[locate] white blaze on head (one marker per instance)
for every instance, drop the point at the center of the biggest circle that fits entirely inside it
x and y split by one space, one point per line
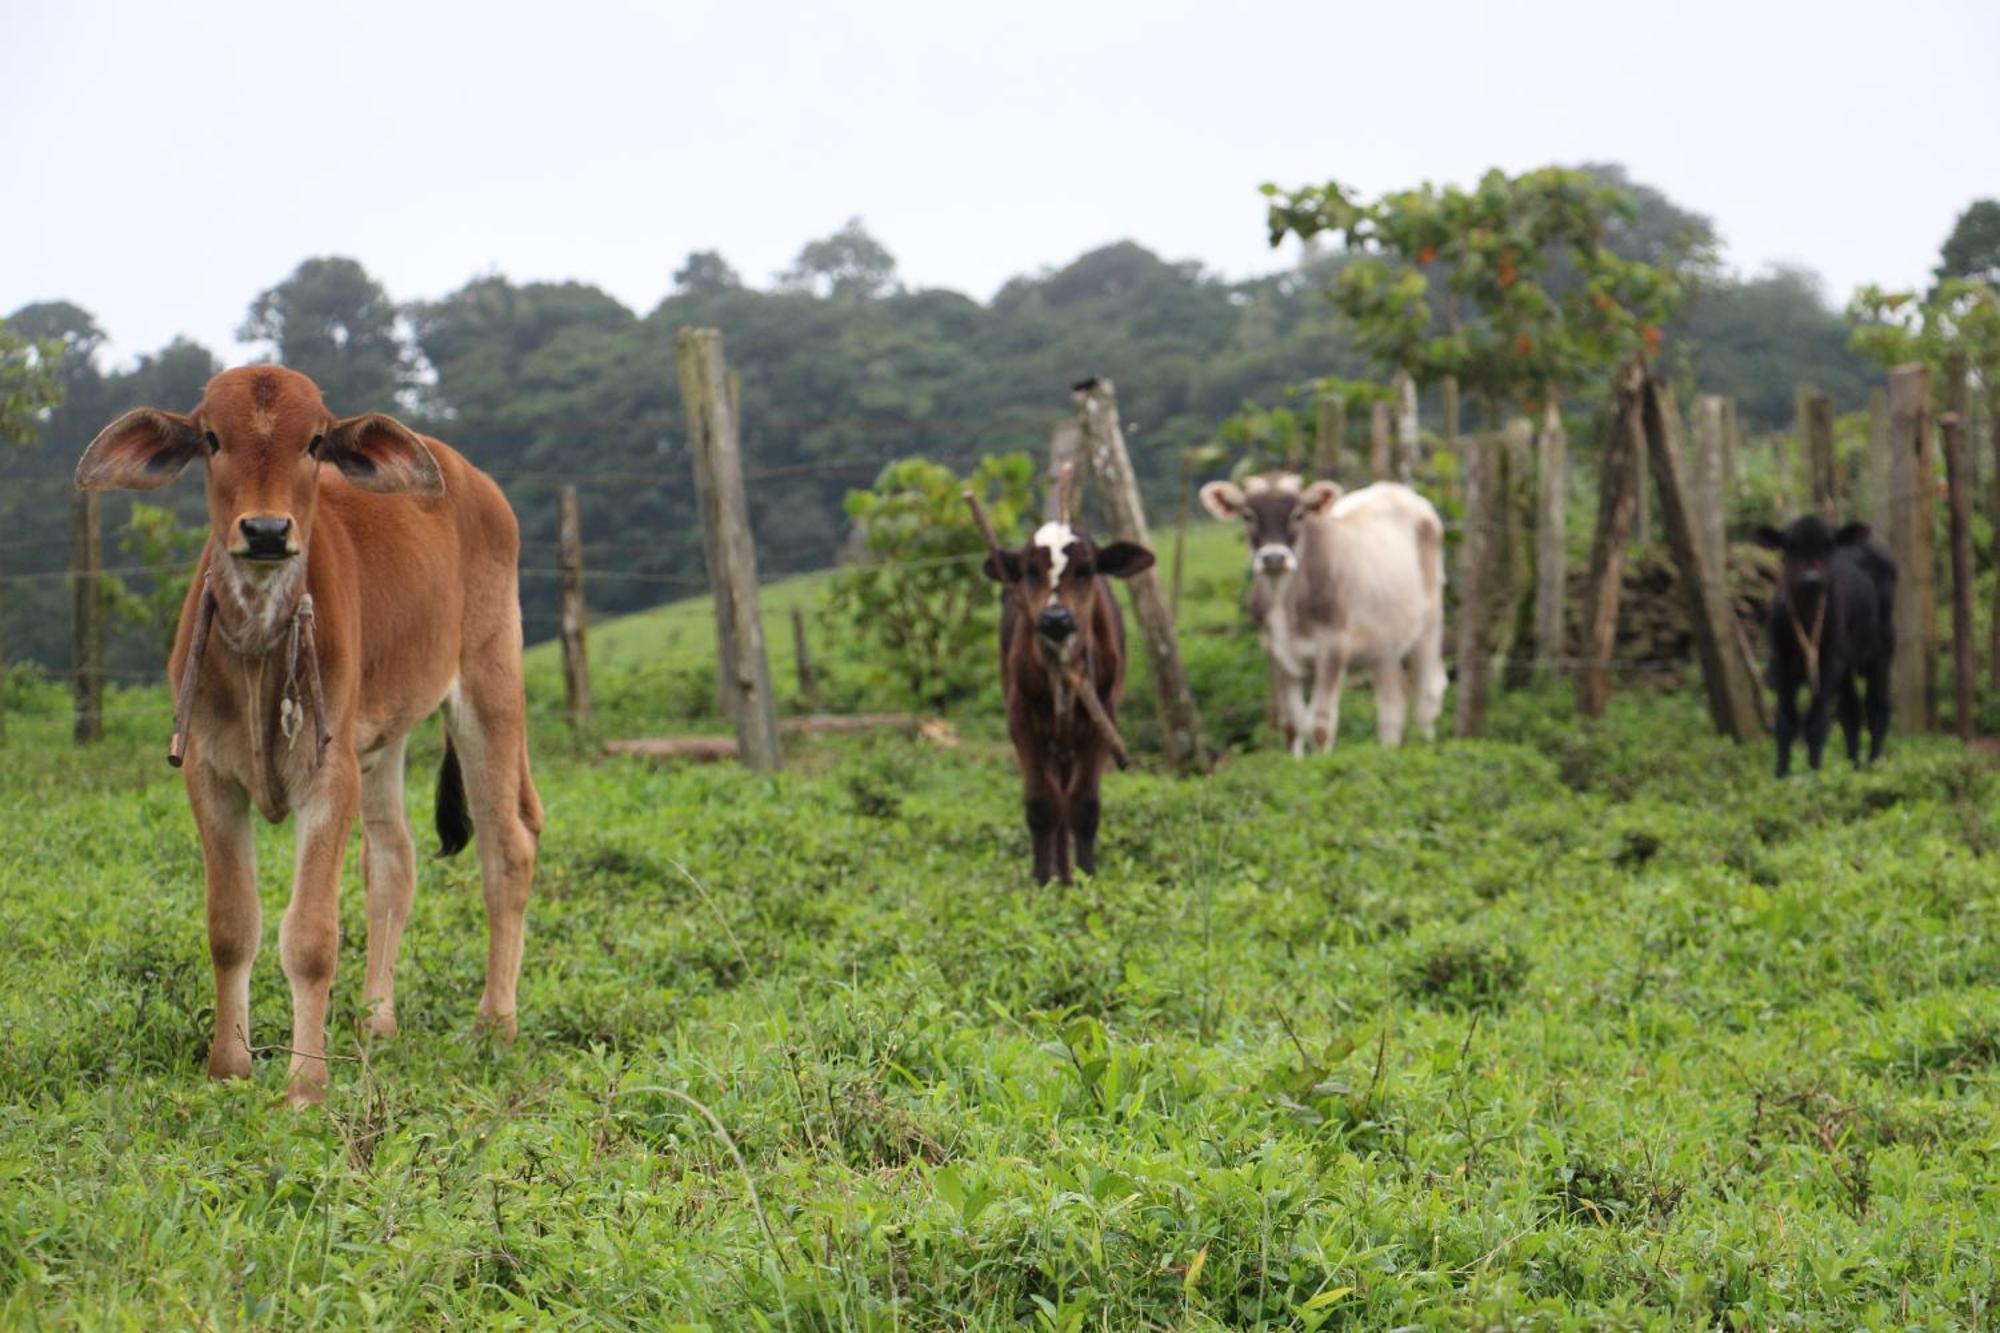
1057 537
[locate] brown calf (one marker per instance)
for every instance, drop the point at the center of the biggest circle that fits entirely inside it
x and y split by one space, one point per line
384 563
1076 622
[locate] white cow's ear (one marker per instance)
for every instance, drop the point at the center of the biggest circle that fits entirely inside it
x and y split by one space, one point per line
1222 499
1319 497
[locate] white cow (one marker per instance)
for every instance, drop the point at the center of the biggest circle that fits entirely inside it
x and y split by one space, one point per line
1342 581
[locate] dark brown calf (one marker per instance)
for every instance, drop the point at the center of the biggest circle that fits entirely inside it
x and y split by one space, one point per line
1064 618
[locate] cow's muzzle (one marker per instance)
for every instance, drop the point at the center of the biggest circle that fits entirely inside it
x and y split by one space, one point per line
1055 623
1274 560
265 538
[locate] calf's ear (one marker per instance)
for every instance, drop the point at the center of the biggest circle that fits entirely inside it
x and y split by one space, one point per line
1768 537
1003 567
1319 497
1853 534
1121 560
141 451
1222 499
376 452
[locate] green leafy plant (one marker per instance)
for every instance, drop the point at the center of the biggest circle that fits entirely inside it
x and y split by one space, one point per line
920 597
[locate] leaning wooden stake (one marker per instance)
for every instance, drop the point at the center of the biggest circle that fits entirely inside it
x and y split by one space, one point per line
575 618
1959 485
1732 700
1707 474
1911 527
1081 686
1551 538
1118 493
1616 500
713 440
1477 467
86 571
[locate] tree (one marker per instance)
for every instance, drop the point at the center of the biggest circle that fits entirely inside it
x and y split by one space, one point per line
706 273
1972 251
332 321
30 384
850 264
1456 282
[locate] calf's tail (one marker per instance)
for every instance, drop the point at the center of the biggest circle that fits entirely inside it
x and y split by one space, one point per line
454 820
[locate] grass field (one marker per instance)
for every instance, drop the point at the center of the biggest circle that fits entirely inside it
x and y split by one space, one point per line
1570 1027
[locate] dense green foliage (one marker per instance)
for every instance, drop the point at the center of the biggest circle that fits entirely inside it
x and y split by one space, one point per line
844 367
1584 1028
919 598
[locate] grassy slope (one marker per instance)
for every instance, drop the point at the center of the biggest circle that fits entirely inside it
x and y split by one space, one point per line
1602 1028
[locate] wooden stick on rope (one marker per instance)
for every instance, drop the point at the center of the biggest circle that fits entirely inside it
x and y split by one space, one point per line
1085 689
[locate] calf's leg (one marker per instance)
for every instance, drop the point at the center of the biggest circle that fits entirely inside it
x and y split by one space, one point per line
1878 710
1786 720
389 873
1328 676
487 719
1391 704
1085 809
1819 721
235 916
309 936
1427 677
1850 718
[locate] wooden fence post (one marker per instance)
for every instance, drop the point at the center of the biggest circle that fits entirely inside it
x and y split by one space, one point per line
1732 699
1329 437
574 617
714 442
1512 480
1478 465
1959 485
1118 495
1911 526
1815 410
1380 468
1065 444
1617 501
86 573
1706 465
802 664
1409 441
1551 539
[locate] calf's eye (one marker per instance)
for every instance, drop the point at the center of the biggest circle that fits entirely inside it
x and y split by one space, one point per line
312 446
214 445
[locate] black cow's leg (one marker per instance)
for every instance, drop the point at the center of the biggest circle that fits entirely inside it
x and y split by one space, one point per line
1878 710
1819 721
1850 718
1044 825
1787 722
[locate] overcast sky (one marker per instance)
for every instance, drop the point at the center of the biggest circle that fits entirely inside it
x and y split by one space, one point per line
164 162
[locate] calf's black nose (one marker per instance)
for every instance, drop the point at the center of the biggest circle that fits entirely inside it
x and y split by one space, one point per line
1055 622
265 537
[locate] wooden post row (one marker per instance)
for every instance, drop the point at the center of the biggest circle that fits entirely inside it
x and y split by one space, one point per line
574 616
86 569
1911 528
1551 538
1814 410
1408 439
1959 486
1118 495
1380 465
714 442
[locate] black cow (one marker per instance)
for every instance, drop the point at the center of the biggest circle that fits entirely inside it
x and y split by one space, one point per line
1832 626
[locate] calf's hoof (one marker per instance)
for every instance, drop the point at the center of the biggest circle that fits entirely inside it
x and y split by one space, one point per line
302 1092
381 1022
228 1060
496 1027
